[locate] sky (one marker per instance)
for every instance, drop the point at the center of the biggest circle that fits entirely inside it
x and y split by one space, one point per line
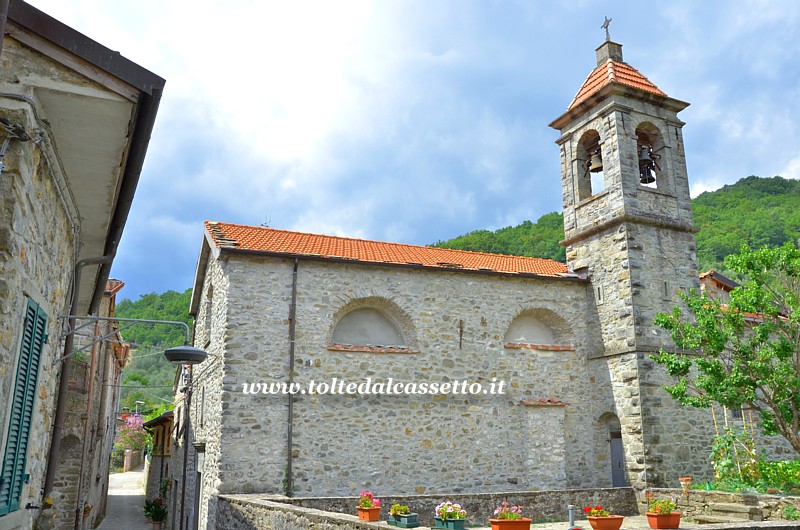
416 121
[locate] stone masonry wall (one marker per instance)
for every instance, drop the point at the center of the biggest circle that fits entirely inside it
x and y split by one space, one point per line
700 502
402 444
479 506
36 248
206 427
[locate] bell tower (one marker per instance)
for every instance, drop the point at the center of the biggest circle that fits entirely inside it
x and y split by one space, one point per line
628 227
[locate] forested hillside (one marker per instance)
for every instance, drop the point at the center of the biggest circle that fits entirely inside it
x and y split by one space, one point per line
148 368
756 211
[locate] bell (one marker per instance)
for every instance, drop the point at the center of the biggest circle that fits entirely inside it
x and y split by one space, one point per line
644 154
646 174
597 163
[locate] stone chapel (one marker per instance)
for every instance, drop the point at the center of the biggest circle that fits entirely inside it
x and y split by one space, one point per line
583 404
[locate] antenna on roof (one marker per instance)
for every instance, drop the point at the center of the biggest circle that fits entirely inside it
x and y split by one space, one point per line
267 220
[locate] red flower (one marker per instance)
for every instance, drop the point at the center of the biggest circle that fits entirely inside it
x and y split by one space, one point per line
587 510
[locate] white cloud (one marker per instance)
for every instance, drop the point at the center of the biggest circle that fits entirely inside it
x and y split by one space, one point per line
417 121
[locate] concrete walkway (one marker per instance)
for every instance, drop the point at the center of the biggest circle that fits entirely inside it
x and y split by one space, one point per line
125 507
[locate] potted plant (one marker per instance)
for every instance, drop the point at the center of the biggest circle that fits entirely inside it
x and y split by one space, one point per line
369 506
508 517
600 519
402 516
662 514
158 513
450 515
87 509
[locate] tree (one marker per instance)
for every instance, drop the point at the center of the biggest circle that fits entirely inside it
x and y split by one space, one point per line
745 352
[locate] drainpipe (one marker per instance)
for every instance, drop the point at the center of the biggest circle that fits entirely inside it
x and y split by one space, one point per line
292 314
3 19
87 437
63 385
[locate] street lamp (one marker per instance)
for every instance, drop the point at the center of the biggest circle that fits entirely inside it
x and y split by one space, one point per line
137 407
185 354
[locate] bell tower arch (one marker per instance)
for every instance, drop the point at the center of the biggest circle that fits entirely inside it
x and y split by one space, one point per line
633 237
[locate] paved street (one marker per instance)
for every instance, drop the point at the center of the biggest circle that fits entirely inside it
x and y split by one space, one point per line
125 509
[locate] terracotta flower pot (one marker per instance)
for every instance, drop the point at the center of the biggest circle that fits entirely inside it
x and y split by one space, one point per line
369 514
664 520
523 523
611 522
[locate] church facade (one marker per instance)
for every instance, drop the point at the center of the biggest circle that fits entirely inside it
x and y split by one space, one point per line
326 351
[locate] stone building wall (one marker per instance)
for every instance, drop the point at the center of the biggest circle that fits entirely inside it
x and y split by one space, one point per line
211 332
89 427
36 248
398 443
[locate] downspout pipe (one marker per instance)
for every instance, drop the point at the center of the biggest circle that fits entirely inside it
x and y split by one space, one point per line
87 432
3 20
290 420
63 385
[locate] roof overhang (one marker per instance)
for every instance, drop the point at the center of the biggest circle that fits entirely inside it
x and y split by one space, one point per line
580 109
100 130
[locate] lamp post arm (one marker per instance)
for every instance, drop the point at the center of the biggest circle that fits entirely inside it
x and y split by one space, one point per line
133 320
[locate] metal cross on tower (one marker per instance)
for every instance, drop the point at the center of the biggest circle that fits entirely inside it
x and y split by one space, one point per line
606 22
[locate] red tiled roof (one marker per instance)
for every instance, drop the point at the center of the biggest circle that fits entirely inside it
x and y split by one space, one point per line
272 241
613 72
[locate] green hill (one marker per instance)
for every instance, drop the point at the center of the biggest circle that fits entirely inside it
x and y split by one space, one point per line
149 376
756 211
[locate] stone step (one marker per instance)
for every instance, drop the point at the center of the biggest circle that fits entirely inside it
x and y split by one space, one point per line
703 518
740 511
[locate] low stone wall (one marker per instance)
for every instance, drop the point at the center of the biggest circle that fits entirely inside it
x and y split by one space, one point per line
275 512
539 505
700 501
254 512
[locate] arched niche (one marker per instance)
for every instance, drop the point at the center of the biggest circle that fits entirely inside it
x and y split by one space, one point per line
541 327
367 326
371 323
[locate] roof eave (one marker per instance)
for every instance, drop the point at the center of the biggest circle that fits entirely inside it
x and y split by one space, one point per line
417 266
200 271
583 106
150 87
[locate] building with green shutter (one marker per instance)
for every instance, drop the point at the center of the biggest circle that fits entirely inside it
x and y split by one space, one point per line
75 121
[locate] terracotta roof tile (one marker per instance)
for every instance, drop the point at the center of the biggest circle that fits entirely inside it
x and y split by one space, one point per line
270 240
613 72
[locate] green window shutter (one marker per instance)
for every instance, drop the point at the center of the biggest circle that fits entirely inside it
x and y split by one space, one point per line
20 416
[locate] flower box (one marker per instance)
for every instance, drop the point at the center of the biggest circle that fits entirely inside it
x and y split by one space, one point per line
452 524
406 520
523 523
369 514
609 522
664 520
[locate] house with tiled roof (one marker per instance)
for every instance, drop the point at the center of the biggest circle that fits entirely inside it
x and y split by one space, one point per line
338 364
